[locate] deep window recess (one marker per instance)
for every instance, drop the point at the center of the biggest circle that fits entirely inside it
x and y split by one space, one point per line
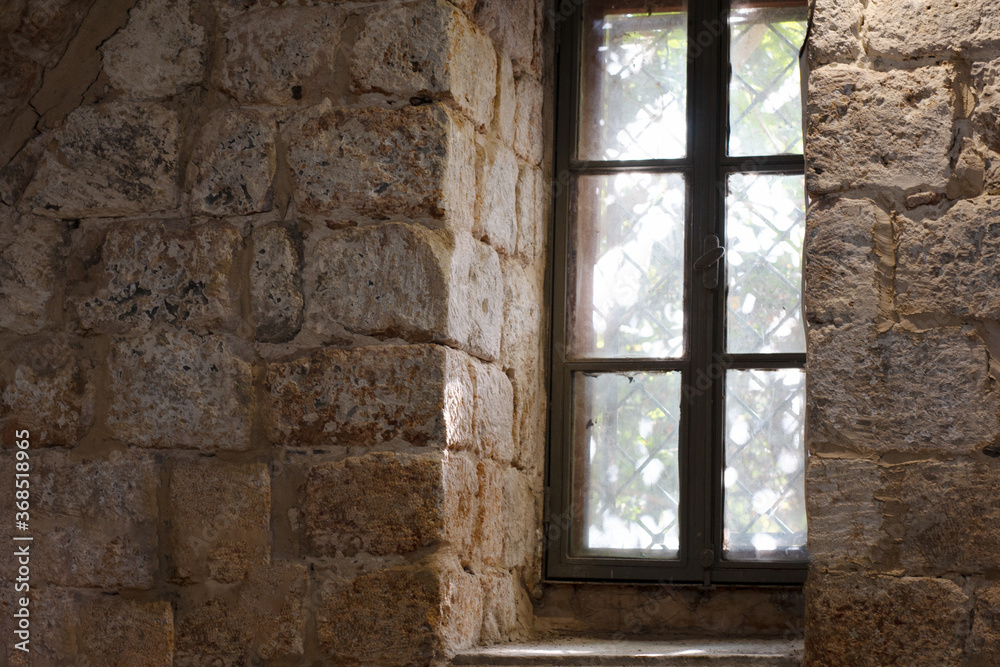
677 449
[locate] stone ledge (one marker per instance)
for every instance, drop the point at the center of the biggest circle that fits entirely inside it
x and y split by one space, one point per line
610 652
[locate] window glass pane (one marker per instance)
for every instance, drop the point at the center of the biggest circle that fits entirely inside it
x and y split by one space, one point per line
634 81
626 437
765 227
627 264
765 514
765 95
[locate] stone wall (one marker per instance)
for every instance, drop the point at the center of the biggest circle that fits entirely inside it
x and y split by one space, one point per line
902 243
271 300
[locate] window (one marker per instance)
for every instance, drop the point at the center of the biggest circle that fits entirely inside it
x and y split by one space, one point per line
677 450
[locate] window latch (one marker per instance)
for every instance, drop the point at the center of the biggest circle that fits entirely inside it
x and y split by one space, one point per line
711 261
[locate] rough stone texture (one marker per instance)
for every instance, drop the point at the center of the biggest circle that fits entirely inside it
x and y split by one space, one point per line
94 520
264 618
857 620
532 226
496 203
460 490
528 136
120 633
111 159
520 519
30 253
172 389
937 383
505 102
417 162
949 265
156 273
160 50
370 395
510 24
276 292
278 56
427 50
221 520
842 261
835 32
930 28
845 524
235 161
46 387
380 503
871 128
376 281
986 115
984 640
493 404
499 607
490 524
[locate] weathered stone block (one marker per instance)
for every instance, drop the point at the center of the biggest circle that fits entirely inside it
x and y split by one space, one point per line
262 619
510 23
416 162
835 31
857 620
158 52
112 159
935 28
279 56
521 520
406 281
872 128
949 265
95 520
842 262
235 161
496 202
173 389
499 606
30 253
493 403
428 49
421 394
155 273
489 535
532 224
937 384
46 387
528 139
845 521
380 503
460 491
986 114
984 642
121 633
220 526
522 318
505 103
275 289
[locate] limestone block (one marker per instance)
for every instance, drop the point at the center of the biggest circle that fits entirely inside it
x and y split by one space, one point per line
220 519
984 641
522 318
510 23
532 225
279 56
528 138
936 383
121 633
496 202
261 619
427 49
489 534
870 128
841 261
857 620
275 289
949 523
835 31
173 389
156 273
845 521
505 102
406 281
949 265
95 520
461 504
417 162
400 616
521 519
113 159
158 52
935 28
493 405
30 253
379 503
235 160
499 606
421 394
986 115
46 387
